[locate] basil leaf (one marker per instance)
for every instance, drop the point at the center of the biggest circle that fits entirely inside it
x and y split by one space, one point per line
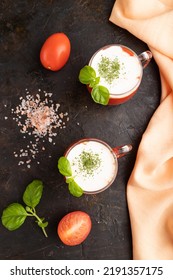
69 179
42 225
94 82
74 189
33 193
64 166
87 75
13 216
100 94
28 209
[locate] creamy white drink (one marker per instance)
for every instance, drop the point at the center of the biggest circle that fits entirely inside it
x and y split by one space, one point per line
119 69
94 165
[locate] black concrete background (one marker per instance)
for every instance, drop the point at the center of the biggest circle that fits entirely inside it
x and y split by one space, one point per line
24 26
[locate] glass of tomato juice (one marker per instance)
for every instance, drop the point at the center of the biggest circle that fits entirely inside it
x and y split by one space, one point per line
94 163
120 70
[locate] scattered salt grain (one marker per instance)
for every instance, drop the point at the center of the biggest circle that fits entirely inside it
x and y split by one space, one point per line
39 119
20 162
61 115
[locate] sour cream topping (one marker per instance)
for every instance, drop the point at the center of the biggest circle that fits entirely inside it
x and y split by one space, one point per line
130 69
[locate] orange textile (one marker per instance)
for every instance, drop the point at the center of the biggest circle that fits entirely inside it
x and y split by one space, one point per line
150 186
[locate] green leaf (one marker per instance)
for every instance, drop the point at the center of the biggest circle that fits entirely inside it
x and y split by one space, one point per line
100 94
64 166
28 209
87 75
42 225
74 189
69 179
94 82
13 216
33 193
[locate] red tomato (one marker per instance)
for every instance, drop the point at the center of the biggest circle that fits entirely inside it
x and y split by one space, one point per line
55 51
74 228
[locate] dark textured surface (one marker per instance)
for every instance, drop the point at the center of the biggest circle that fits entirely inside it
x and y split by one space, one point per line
24 27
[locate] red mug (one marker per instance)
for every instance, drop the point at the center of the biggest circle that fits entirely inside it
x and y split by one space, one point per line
94 163
120 70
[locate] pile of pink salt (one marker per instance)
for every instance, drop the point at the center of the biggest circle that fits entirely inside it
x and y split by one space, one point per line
38 118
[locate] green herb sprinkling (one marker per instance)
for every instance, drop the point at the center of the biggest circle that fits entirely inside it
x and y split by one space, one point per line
109 69
89 162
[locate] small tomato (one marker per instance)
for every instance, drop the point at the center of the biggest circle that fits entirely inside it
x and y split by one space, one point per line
74 228
55 51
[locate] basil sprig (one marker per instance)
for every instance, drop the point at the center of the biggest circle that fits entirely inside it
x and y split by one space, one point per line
15 214
87 76
65 169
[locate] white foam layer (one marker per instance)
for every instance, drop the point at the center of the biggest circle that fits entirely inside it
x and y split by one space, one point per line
101 176
130 69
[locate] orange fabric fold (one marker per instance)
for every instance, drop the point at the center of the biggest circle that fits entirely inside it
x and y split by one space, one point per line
150 186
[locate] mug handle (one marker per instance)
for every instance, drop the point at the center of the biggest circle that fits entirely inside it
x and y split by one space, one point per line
121 151
145 58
